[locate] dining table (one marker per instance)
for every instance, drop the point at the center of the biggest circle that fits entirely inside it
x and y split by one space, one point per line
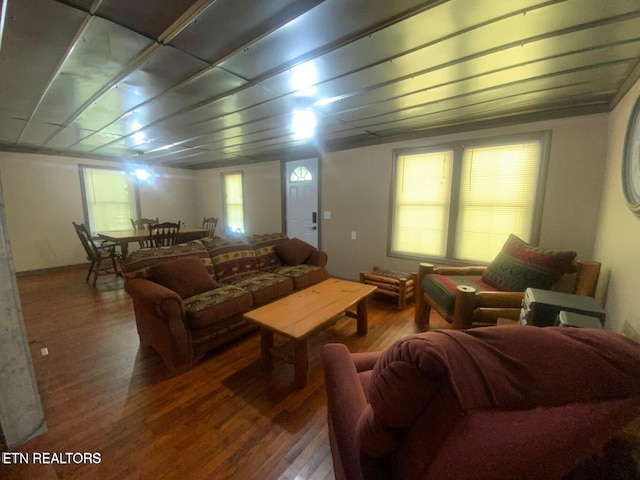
125 237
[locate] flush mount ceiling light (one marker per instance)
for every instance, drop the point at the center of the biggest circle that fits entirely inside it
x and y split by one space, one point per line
304 79
303 123
141 173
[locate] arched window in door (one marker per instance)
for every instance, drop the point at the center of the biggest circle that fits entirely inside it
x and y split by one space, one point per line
300 174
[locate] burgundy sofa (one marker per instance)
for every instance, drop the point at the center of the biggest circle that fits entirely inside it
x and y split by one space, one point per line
489 403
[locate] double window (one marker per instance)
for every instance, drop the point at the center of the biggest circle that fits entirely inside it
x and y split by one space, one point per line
110 198
460 202
233 202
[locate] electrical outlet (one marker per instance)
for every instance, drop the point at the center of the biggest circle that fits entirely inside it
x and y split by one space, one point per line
44 351
353 235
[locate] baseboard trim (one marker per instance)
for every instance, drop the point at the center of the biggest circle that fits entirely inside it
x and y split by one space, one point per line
40 271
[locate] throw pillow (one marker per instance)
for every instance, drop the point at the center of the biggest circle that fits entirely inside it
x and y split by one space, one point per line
186 276
294 251
519 266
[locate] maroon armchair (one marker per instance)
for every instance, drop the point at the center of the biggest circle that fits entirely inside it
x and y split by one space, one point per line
495 402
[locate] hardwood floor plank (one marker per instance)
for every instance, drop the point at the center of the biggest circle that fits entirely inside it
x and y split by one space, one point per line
227 418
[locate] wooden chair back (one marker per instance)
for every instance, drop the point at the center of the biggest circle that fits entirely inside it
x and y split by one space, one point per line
210 224
164 234
144 224
86 241
96 254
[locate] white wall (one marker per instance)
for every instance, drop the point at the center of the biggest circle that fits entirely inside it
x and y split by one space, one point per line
42 198
262 195
618 240
170 198
356 184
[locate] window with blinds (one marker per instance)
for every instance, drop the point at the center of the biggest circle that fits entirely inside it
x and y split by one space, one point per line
233 201
421 207
110 198
462 202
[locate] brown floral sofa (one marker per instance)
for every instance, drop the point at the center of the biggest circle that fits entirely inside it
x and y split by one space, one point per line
190 298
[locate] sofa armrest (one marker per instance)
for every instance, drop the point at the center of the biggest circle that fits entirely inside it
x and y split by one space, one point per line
499 299
474 270
160 318
345 403
318 258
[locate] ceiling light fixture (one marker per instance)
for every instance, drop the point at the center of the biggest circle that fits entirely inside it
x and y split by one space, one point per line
303 123
304 78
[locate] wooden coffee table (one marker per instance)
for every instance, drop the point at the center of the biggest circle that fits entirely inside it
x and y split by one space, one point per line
305 312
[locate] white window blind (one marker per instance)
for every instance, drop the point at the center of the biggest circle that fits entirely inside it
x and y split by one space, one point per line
461 201
233 202
497 197
110 199
422 192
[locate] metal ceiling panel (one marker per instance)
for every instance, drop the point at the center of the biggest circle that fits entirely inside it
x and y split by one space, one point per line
68 137
320 29
146 17
199 83
228 26
165 69
229 111
100 54
32 49
434 61
542 89
442 87
10 127
188 95
386 46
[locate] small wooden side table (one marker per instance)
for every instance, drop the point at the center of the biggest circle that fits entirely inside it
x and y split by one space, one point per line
392 283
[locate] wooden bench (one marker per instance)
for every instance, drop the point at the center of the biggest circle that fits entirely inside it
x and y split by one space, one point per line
391 283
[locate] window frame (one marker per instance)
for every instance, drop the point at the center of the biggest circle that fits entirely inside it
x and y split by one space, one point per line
83 190
458 147
225 216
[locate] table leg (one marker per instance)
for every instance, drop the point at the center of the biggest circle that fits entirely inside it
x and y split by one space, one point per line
266 344
301 362
124 248
363 316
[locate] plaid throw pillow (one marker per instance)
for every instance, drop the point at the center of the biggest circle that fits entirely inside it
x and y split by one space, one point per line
519 266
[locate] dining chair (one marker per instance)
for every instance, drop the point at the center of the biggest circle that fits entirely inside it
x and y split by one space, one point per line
210 224
164 234
97 254
144 224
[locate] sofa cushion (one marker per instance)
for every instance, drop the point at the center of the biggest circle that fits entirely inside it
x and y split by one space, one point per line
442 288
231 258
213 306
264 286
186 276
294 251
138 263
264 245
519 266
302 275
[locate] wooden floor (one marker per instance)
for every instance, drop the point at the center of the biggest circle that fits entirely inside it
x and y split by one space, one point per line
224 419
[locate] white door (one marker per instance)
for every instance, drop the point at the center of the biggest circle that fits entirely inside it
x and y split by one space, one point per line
302 200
